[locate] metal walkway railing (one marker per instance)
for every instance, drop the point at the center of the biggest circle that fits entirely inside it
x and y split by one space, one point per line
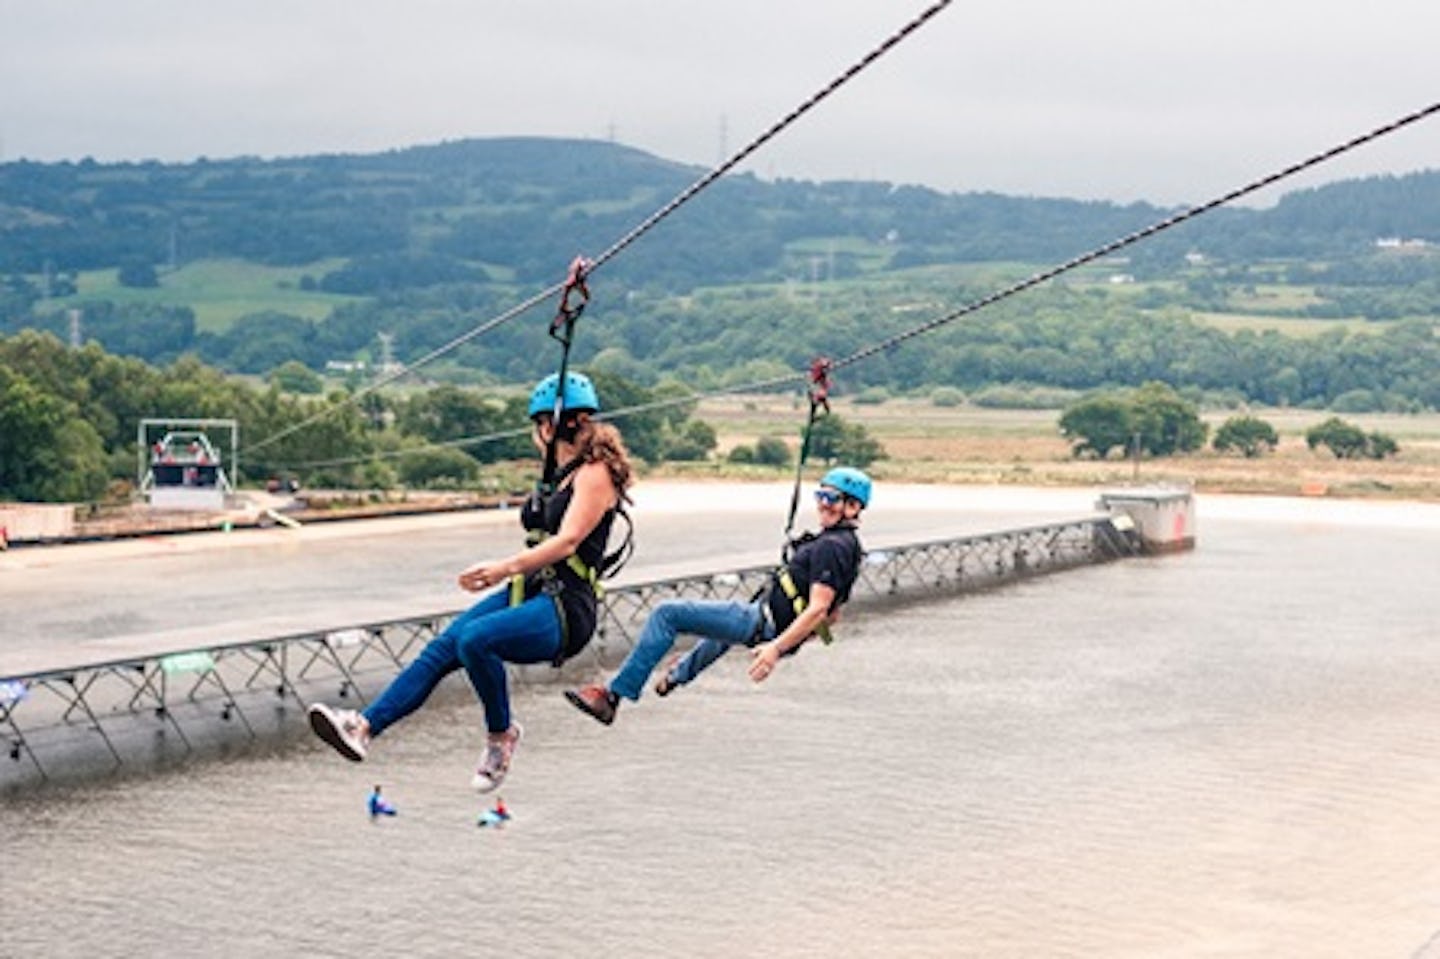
117 709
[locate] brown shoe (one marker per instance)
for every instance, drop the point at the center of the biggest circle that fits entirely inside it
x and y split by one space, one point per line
596 701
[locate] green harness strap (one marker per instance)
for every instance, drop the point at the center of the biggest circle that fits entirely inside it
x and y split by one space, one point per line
547 573
576 564
798 603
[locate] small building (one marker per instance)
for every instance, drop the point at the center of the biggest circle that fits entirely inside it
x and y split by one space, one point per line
182 468
1163 516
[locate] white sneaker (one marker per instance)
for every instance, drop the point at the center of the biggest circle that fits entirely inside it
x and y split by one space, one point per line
342 729
497 759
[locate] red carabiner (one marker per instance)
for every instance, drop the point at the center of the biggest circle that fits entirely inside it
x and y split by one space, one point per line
820 383
574 280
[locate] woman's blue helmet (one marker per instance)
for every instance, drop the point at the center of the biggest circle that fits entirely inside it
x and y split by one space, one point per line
849 481
580 395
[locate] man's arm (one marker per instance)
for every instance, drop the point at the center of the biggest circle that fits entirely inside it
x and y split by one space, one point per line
766 655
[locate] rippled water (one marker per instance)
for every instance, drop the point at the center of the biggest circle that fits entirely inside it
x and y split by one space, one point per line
1232 752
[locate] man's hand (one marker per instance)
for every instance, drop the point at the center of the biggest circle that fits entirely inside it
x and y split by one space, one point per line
762 661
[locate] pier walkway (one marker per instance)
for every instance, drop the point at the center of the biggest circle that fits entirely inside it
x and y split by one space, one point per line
170 692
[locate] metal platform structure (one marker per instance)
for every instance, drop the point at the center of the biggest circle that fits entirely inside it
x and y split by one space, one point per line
182 470
120 711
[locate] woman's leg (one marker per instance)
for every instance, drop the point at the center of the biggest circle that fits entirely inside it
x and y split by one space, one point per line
528 633
727 622
409 690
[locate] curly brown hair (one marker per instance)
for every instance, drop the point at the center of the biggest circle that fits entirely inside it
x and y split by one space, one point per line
597 442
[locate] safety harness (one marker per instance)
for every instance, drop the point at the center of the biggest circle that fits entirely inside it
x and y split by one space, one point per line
780 578
609 565
562 329
551 583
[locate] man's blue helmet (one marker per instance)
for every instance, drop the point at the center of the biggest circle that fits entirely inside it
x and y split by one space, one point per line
580 395
849 481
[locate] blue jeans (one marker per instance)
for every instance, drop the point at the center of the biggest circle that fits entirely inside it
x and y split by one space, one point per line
720 624
482 639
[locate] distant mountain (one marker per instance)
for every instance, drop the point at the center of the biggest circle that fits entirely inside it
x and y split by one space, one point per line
516 209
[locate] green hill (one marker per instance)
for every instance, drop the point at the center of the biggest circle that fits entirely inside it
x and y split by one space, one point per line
251 262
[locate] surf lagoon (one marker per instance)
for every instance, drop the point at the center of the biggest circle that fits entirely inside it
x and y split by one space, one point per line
1229 752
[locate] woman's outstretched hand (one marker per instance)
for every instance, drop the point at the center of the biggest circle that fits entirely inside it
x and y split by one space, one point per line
480 576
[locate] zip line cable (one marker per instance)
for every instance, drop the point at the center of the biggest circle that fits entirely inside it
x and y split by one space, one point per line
761 386
637 232
430 357
993 298
775 129
1154 228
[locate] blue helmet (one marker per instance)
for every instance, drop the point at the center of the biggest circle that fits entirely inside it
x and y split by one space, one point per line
580 395
850 481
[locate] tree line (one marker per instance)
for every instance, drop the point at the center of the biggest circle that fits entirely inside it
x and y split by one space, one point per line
1155 420
1058 338
69 420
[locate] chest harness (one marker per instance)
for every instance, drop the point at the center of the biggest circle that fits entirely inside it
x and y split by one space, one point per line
535 514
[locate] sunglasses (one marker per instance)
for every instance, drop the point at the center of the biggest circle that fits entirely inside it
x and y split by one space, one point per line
829 497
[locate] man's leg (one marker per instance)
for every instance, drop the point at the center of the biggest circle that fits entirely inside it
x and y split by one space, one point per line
722 622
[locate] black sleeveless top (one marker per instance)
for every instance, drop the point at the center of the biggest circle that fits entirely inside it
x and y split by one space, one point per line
574 593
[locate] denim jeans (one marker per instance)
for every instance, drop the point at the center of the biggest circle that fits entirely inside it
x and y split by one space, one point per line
482 640
720 624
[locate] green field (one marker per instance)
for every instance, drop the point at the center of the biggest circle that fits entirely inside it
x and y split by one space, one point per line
219 291
1233 322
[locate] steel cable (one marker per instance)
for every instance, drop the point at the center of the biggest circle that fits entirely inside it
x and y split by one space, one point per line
1004 293
638 231
1154 228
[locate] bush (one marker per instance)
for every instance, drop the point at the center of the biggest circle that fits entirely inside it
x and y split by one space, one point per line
1380 445
138 273
439 467
872 396
292 376
378 474
772 451
1018 397
1096 425
1345 440
1356 401
741 454
947 396
1248 434
694 443
1155 414
835 441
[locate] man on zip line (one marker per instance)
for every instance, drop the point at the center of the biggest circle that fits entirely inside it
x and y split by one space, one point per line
801 600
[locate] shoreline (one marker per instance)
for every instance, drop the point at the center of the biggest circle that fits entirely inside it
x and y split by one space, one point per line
668 494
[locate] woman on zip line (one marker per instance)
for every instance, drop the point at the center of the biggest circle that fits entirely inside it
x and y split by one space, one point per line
802 599
547 613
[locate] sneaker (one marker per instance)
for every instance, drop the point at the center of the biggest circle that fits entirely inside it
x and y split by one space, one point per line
596 701
343 729
498 753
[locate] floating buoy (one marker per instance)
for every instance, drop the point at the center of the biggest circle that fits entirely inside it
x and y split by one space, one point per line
496 817
379 806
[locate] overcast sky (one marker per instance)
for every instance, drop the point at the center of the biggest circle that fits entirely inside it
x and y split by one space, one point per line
1115 99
